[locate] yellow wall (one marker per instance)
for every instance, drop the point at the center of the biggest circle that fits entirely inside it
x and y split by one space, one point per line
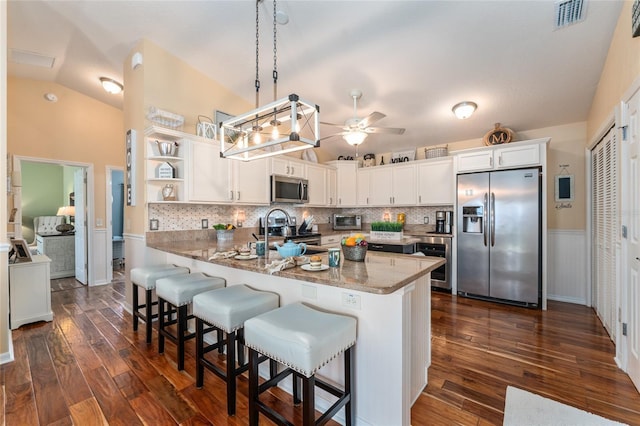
77 128
621 68
168 83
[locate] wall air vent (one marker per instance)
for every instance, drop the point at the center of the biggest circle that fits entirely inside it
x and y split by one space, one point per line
569 12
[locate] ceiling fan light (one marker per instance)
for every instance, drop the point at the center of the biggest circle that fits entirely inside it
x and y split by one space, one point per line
111 86
355 138
463 110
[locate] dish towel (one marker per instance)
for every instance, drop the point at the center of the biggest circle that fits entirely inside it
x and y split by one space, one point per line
224 255
280 265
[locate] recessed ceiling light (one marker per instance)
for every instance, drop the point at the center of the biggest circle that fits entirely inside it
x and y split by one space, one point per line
51 97
464 109
111 86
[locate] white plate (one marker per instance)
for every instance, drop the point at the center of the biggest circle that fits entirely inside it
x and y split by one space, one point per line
308 267
309 155
249 257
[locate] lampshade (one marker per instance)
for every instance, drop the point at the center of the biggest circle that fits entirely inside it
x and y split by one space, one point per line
111 86
250 136
464 109
66 211
355 138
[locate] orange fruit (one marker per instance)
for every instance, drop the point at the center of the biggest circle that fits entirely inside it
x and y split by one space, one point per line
351 241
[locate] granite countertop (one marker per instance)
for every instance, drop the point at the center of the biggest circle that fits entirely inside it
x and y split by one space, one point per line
380 273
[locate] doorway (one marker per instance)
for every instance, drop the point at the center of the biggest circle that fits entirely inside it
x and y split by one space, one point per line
53 188
115 219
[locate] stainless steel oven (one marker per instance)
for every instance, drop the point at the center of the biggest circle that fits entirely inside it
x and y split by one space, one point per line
439 246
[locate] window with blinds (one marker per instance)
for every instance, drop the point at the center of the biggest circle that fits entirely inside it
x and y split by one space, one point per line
604 227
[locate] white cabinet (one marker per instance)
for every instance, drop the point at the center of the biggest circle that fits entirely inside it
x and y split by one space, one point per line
154 180
317 177
518 154
213 179
209 174
330 240
250 183
391 185
346 177
60 249
30 291
286 166
436 182
332 194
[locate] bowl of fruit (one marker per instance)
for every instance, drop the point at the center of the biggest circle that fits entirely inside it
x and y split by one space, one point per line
354 247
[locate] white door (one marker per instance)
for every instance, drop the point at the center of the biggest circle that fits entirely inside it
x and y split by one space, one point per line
633 260
80 179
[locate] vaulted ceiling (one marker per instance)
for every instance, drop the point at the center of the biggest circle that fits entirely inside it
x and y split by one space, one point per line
413 60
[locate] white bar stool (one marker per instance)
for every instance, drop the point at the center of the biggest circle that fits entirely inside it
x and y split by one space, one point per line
146 277
303 339
227 310
175 294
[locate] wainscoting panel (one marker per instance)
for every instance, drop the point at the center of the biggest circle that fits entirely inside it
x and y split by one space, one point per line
567 260
100 262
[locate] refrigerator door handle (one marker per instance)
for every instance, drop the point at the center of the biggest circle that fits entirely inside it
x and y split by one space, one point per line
484 220
493 219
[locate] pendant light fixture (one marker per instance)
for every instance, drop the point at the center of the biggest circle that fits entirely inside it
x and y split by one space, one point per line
285 125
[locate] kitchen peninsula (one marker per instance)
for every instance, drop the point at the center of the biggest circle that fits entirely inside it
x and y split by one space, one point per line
389 294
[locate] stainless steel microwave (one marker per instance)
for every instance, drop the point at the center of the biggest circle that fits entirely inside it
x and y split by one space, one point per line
347 222
285 189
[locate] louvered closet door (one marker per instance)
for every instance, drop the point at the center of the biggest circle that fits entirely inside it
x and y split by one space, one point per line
605 213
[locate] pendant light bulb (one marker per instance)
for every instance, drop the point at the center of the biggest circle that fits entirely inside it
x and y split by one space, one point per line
257 139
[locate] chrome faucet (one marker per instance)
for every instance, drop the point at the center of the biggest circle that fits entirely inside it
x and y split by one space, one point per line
266 227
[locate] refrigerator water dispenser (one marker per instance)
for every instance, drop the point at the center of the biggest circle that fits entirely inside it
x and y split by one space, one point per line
472 217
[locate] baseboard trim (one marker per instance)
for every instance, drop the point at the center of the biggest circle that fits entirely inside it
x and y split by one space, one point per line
566 299
8 356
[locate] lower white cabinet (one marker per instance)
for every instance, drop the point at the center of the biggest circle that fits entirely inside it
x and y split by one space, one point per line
30 291
61 249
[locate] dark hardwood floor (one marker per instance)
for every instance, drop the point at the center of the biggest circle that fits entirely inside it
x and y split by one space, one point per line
88 367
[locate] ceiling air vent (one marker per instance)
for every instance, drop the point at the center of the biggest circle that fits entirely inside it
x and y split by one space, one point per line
30 58
569 12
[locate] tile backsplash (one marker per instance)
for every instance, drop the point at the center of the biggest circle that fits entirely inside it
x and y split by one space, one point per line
181 217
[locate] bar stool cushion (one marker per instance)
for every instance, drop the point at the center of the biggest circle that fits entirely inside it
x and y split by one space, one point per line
146 276
228 308
302 338
180 289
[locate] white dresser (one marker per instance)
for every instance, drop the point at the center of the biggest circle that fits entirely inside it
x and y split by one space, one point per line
61 250
30 291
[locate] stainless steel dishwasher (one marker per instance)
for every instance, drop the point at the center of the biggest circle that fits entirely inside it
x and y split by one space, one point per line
439 246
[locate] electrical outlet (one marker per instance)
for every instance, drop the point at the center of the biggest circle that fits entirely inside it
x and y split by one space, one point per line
351 300
204 223
426 220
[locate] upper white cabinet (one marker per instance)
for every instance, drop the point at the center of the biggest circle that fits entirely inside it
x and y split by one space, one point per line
517 154
436 182
287 166
346 172
332 190
164 172
393 185
209 174
250 183
317 177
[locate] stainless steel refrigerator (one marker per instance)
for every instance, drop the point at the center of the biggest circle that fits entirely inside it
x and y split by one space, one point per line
499 236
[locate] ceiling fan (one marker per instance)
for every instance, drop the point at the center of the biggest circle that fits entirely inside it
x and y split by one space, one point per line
356 130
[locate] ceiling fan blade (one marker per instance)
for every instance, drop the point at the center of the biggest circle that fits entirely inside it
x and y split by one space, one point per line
335 134
332 124
385 130
370 119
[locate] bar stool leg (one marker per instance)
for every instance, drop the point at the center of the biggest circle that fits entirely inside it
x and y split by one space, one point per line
199 353
308 397
149 313
296 388
182 329
220 338
231 376
253 388
161 322
135 306
348 380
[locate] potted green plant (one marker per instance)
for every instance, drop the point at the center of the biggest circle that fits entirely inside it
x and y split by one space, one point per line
386 230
